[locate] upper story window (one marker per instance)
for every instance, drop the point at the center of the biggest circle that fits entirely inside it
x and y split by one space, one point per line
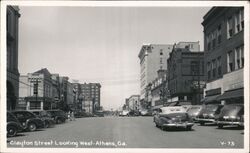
239 21
230 61
229 27
219 34
214 39
161 52
219 66
208 70
239 57
209 42
194 67
214 68
160 60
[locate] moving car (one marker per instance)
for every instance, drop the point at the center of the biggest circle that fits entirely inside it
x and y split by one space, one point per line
58 116
124 113
231 114
194 111
145 112
29 120
13 125
45 116
208 113
173 117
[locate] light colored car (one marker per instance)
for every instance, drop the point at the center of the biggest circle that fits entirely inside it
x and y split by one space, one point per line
124 113
173 117
194 111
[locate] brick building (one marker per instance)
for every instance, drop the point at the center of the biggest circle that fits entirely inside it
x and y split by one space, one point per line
92 92
224 54
185 76
12 57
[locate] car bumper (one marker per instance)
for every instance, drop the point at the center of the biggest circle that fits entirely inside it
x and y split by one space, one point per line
178 124
230 123
205 120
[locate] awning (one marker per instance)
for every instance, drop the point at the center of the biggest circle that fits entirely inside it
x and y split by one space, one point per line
231 94
210 98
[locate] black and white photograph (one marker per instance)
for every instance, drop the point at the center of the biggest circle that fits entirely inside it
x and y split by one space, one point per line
124 75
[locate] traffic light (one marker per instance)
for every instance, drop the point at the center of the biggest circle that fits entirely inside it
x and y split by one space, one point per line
35 88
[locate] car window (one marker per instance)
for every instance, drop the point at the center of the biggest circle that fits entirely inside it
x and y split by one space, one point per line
19 115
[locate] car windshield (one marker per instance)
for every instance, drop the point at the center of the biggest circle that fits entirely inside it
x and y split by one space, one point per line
231 110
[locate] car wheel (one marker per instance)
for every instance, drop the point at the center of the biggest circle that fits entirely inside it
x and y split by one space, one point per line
46 124
32 127
202 123
220 126
189 128
11 131
58 121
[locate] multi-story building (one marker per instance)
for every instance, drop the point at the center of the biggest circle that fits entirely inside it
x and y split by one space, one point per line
55 90
185 76
224 54
159 90
36 90
12 57
193 46
153 57
71 96
63 80
134 102
78 97
92 91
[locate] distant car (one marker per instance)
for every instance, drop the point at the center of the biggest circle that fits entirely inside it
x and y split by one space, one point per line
99 114
173 117
124 113
13 125
133 113
208 113
29 120
58 116
45 116
145 112
231 114
194 111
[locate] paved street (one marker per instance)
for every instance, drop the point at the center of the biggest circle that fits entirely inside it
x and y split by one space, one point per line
128 132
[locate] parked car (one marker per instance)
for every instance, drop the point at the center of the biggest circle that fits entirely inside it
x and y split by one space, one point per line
124 113
231 114
173 117
45 116
186 107
208 113
29 120
99 114
194 111
58 116
133 113
13 125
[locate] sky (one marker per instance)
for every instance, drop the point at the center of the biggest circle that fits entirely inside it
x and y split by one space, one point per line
101 44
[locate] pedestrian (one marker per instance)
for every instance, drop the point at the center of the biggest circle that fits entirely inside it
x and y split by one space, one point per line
69 116
72 116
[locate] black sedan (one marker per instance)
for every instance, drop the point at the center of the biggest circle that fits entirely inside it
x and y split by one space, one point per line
174 119
29 120
46 117
231 114
13 125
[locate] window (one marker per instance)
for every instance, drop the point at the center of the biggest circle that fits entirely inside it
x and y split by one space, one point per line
161 51
214 39
242 18
208 42
230 61
194 67
208 70
219 66
214 67
239 57
219 34
160 60
229 27
242 56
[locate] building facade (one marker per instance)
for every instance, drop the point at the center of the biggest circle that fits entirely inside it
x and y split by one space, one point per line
134 102
55 90
36 91
159 90
152 58
224 54
185 76
92 91
12 57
